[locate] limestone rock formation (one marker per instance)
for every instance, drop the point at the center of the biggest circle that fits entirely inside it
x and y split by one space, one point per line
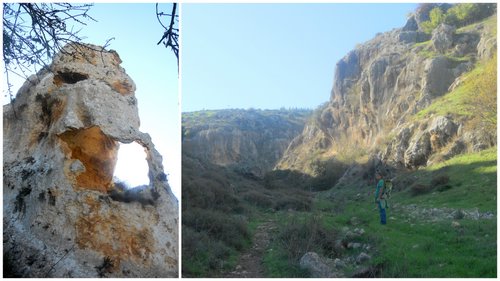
251 141
63 215
442 37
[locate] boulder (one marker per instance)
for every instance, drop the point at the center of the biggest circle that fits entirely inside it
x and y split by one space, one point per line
317 266
63 214
418 150
441 129
438 76
363 257
411 24
442 37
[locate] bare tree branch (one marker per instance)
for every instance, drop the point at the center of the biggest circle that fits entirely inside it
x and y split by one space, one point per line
34 32
171 35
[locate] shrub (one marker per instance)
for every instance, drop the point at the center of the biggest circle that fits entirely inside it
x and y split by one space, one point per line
258 199
418 189
282 179
444 187
296 204
298 237
202 254
328 173
219 226
440 179
484 101
294 199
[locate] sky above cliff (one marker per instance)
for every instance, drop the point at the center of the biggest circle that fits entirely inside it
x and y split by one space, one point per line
153 68
270 56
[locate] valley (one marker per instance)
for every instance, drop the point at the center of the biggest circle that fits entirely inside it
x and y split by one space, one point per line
290 193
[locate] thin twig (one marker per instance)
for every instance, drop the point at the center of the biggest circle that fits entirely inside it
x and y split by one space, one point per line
69 251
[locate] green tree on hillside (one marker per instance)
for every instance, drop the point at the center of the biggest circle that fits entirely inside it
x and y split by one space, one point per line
484 98
436 17
458 15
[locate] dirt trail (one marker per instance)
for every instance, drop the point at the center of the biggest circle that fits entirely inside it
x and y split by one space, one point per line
250 262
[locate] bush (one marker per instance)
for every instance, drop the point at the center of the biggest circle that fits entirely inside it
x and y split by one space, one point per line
444 187
484 101
283 179
219 226
440 179
202 254
208 191
294 199
296 204
258 199
328 173
298 238
419 189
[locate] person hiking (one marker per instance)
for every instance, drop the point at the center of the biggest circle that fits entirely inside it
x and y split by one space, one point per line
380 198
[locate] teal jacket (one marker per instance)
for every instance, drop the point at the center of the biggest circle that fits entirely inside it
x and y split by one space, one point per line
380 185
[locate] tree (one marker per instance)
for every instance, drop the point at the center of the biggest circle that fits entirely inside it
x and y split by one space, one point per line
436 17
171 35
34 32
484 97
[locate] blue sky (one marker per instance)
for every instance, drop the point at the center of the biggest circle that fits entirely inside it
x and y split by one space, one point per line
270 56
154 71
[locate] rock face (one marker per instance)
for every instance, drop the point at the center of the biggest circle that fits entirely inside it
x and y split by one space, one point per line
63 215
379 87
252 141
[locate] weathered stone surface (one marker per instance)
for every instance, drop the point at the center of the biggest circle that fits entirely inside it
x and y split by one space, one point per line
317 266
444 128
438 76
411 24
442 37
363 257
418 151
63 215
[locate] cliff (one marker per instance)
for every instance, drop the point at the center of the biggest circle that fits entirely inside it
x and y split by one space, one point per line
63 214
383 87
251 141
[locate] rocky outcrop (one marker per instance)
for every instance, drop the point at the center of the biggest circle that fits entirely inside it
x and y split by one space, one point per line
63 214
442 37
380 86
317 266
251 141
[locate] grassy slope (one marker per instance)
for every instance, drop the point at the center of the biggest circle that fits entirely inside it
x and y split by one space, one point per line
414 246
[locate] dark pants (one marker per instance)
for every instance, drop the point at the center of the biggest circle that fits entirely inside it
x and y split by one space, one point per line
381 208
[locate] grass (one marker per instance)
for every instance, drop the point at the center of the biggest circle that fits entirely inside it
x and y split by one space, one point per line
415 248
472 177
278 266
436 249
456 102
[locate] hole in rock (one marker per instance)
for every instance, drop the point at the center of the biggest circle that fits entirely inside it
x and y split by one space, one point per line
131 168
69 77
